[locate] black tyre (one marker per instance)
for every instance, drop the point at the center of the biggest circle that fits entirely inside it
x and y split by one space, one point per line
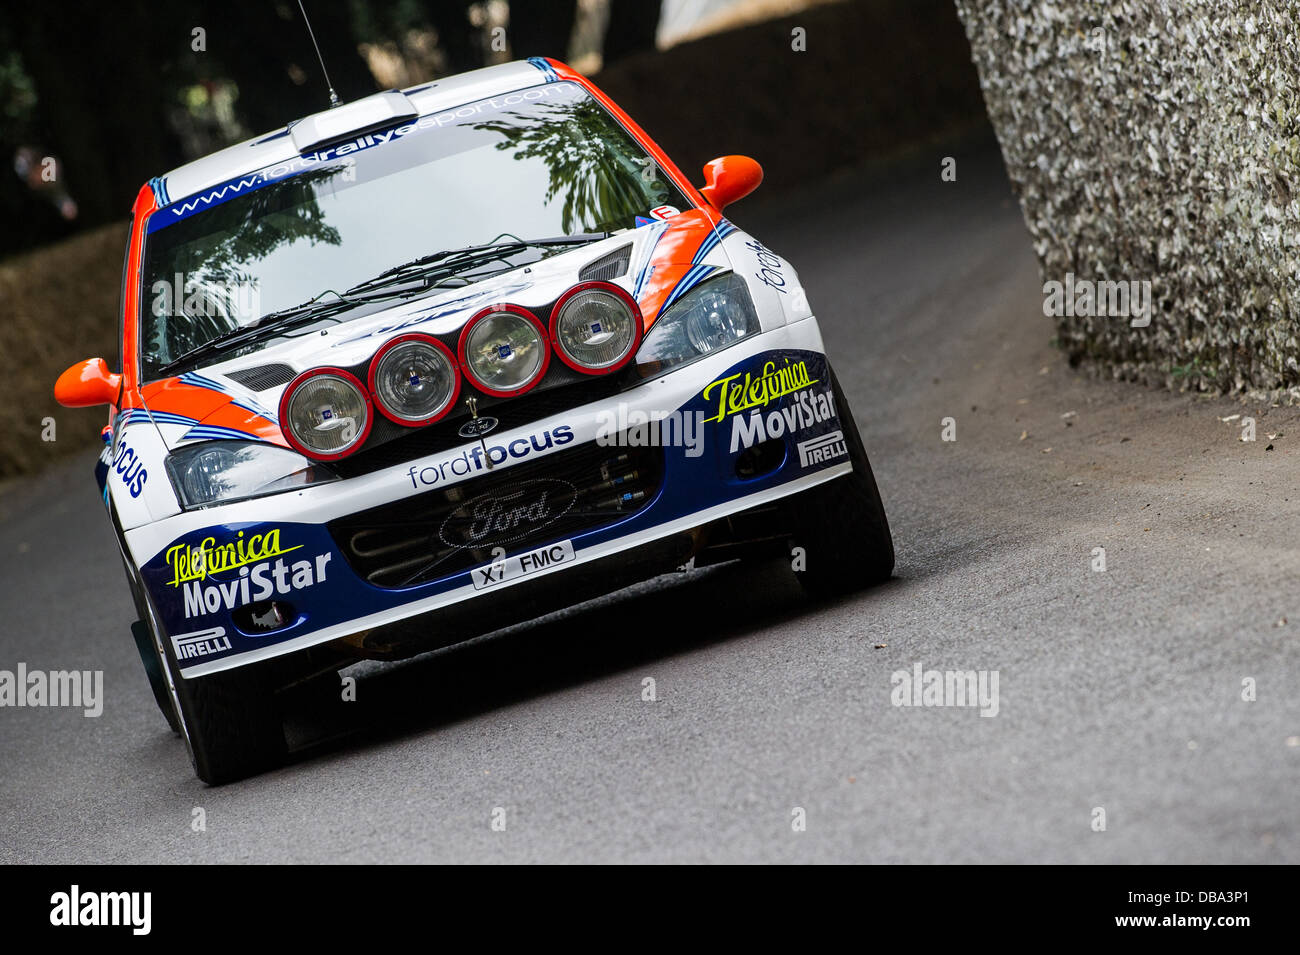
230 721
147 645
153 668
232 725
841 525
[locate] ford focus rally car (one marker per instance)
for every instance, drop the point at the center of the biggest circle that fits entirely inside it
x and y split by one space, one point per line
442 360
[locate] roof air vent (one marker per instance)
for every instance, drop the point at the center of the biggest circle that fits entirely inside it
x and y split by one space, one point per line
353 119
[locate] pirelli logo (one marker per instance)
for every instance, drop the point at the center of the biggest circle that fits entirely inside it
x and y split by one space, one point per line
828 447
201 643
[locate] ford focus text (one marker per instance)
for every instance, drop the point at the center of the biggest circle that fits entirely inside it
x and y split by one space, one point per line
438 361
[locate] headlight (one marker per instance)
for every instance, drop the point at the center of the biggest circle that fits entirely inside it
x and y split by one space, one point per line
414 379
325 413
219 471
712 316
596 327
503 350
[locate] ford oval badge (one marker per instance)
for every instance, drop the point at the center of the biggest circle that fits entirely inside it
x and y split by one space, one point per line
477 427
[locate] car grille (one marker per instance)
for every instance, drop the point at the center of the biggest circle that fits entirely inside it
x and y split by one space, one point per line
443 532
607 267
263 377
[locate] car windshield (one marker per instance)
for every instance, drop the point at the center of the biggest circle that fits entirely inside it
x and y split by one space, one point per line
540 163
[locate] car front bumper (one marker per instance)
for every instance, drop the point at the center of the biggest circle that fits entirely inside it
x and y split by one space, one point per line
247 581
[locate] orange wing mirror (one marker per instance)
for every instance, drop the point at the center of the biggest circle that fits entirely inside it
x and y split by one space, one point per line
730 178
86 384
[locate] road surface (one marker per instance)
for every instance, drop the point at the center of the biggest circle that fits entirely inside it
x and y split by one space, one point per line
1119 691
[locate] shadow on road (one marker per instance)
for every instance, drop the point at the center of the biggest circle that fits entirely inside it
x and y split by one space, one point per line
598 639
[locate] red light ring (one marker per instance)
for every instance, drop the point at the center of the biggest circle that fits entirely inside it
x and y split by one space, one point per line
618 292
455 370
464 341
293 386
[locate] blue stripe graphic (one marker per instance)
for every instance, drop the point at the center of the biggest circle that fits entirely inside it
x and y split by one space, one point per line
644 275
696 275
194 378
546 68
215 433
720 232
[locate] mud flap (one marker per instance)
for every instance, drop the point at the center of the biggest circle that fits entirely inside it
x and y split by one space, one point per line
153 669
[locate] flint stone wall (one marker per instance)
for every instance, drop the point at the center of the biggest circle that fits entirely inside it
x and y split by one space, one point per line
1159 140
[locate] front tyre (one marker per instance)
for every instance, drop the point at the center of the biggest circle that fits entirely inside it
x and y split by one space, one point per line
147 643
841 525
232 725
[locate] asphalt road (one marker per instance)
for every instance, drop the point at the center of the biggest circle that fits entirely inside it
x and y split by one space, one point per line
1120 690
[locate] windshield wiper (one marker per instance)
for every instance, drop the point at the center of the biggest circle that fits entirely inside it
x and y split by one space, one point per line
285 318
451 261
437 264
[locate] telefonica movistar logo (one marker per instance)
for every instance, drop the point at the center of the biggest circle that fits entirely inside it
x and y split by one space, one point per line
196 563
735 395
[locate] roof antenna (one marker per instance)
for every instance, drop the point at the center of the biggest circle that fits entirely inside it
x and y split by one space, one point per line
334 97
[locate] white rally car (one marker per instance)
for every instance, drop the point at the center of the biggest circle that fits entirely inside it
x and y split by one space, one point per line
438 361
